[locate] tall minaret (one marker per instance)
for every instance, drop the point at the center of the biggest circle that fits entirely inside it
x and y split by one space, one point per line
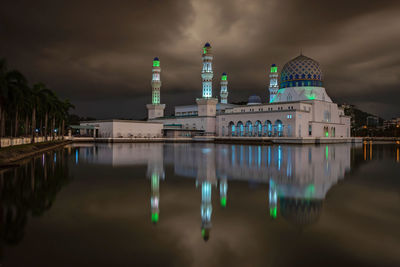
155 109
207 105
224 88
207 72
273 83
156 82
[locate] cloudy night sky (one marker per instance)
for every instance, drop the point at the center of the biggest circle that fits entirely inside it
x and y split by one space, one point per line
99 53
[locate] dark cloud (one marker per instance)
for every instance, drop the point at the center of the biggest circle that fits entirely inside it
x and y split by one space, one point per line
99 54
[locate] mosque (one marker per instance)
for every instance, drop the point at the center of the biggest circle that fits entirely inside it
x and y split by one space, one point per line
298 106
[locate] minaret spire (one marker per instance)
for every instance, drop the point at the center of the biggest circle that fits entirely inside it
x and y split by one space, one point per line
156 82
207 72
155 109
224 88
273 83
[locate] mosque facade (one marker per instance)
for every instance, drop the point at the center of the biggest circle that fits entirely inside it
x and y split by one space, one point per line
298 105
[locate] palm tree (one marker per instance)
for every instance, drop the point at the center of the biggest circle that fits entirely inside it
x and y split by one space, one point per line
19 102
39 96
65 112
3 95
17 84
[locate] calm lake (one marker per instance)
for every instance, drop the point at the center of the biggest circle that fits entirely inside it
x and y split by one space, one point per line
203 205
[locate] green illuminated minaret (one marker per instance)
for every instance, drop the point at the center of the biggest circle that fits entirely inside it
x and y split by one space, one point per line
273 83
156 82
155 109
224 88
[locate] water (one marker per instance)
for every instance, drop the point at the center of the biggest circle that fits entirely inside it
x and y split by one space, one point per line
203 205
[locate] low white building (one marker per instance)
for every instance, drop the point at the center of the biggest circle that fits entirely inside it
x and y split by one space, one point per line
121 129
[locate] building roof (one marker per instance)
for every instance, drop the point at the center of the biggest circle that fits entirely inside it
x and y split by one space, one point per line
114 120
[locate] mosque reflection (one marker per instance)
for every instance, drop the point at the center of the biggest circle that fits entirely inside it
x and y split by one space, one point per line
297 178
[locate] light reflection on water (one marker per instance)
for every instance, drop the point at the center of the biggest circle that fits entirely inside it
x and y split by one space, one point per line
298 176
297 179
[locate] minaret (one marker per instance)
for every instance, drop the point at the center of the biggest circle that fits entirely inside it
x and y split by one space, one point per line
224 88
273 83
155 109
207 72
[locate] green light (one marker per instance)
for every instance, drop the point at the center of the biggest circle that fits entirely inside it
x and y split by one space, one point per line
223 78
154 217
310 190
274 69
223 202
203 232
156 63
273 212
326 134
155 181
309 93
204 50
326 152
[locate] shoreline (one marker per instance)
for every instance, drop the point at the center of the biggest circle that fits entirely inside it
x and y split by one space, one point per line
224 140
9 156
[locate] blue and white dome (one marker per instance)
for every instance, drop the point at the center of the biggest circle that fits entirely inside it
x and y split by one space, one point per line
301 71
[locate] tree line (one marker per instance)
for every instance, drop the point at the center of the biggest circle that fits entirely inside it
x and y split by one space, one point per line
29 110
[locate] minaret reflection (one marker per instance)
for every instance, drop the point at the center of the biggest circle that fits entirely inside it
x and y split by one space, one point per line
206 178
299 176
155 171
223 191
273 199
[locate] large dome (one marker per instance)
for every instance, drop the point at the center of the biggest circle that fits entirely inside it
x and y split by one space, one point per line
301 71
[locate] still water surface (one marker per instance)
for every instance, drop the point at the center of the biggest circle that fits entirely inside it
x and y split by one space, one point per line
203 205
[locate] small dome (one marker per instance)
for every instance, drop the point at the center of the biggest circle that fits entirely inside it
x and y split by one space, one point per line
254 100
156 58
207 45
301 71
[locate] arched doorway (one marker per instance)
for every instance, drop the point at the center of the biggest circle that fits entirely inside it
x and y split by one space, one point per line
268 128
231 129
278 128
239 129
249 128
258 128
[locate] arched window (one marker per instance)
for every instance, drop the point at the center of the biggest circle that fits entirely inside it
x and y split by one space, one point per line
278 128
231 129
258 128
239 129
268 128
249 128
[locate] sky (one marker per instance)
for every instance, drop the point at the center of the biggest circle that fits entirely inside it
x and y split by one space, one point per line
99 53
